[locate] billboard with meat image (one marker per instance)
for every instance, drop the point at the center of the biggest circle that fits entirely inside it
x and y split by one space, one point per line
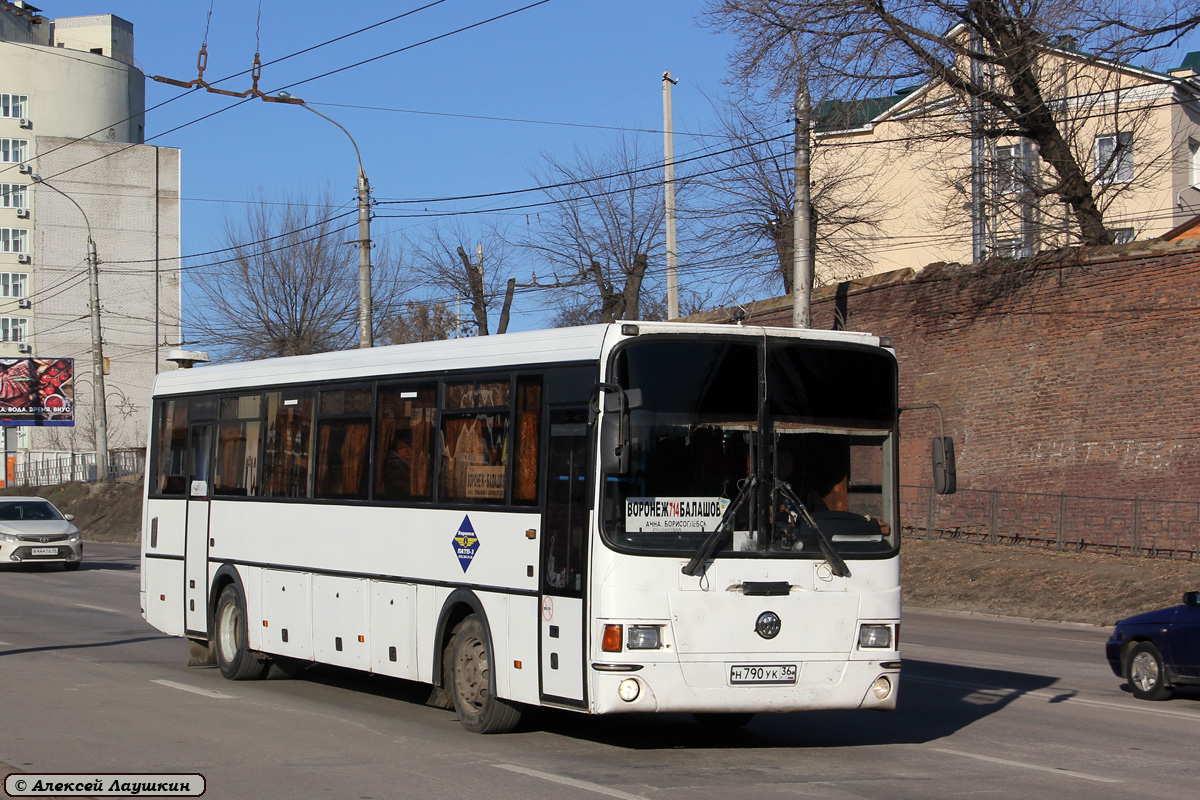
37 391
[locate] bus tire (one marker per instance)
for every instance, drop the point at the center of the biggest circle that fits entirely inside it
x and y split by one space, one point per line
236 661
473 685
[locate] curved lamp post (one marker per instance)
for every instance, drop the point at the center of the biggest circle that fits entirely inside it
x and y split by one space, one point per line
365 333
99 404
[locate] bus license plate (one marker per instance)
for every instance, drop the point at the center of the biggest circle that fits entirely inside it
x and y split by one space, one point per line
44 551
762 674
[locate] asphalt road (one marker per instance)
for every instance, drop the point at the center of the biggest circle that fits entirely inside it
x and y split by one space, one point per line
991 707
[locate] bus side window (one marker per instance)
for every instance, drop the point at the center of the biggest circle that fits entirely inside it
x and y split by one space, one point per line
474 442
288 446
343 443
528 436
404 442
236 470
172 447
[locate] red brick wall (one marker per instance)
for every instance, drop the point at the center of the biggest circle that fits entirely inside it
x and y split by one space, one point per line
1076 373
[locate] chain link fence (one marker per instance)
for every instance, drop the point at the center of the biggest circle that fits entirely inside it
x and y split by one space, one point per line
1130 526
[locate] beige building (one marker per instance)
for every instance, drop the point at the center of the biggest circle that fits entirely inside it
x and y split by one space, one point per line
72 163
935 194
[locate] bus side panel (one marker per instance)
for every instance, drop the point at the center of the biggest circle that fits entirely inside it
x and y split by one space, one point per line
162 564
393 637
340 623
286 614
523 639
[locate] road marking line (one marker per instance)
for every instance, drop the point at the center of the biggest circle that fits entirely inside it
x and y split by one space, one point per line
195 690
1088 642
97 608
1058 695
1023 765
586 785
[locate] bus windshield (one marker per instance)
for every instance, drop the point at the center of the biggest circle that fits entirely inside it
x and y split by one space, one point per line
806 430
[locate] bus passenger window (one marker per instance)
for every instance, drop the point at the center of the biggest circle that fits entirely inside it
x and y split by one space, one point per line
529 413
170 478
288 443
474 456
342 446
236 469
404 442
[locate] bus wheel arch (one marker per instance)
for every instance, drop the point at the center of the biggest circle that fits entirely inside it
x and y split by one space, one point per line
229 630
464 663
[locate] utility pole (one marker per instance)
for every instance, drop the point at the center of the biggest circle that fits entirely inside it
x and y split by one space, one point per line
802 256
366 336
100 411
669 196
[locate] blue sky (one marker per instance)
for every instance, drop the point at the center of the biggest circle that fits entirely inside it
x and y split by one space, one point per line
432 121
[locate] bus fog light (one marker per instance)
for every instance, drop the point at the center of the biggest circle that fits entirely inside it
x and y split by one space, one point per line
882 688
878 636
644 637
629 690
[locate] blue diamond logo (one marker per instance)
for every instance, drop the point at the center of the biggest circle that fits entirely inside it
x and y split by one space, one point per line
466 543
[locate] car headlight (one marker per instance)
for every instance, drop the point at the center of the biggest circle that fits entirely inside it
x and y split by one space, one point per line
875 636
644 637
8 537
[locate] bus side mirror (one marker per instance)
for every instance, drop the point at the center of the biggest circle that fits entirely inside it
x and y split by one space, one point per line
614 431
945 480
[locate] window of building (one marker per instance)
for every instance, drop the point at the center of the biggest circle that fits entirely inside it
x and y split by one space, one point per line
1011 248
1124 235
1193 162
12 329
14 240
1114 158
12 195
14 105
13 284
1013 168
12 151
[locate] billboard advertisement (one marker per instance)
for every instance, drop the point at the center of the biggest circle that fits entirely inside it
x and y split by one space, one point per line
37 391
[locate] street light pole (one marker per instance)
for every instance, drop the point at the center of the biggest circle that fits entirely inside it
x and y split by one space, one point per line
100 410
366 336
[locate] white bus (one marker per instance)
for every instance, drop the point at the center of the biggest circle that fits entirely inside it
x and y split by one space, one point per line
632 517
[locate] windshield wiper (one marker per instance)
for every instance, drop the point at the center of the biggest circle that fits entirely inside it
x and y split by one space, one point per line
710 544
835 561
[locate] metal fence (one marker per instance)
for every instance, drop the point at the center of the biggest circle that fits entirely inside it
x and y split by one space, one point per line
39 468
1132 526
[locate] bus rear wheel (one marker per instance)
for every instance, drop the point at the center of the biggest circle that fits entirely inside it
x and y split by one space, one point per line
236 661
472 685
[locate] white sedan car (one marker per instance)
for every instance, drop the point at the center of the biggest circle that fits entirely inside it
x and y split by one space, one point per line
32 531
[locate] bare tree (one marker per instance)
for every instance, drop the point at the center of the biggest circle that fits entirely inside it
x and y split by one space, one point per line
988 52
419 322
746 211
598 240
479 277
287 282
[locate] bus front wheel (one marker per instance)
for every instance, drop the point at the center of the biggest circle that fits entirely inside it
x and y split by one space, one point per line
472 685
236 660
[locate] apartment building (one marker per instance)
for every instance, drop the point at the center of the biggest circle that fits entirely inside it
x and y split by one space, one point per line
940 195
73 166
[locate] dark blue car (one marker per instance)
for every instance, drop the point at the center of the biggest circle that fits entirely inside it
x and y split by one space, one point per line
1158 650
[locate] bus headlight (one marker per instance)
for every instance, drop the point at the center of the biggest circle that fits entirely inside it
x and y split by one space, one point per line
882 687
644 637
629 690
875 636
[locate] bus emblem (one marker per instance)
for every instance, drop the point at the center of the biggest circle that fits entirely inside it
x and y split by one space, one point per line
767 625
466 543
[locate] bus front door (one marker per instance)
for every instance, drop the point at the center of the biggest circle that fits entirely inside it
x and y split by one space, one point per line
563 616
195 565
